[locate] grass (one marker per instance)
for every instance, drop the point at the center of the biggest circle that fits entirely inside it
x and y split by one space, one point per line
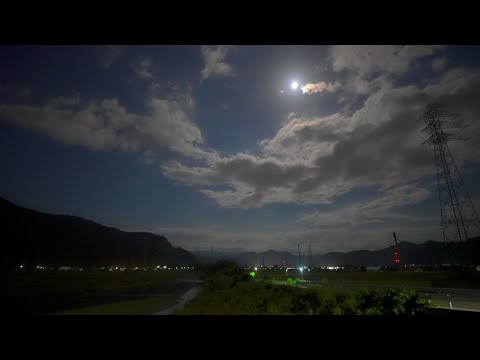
394 278
134 307
47 292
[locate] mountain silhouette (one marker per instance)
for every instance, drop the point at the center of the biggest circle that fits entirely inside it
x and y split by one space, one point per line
427 253
31 238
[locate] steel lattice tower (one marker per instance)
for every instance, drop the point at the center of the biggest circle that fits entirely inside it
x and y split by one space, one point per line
459 218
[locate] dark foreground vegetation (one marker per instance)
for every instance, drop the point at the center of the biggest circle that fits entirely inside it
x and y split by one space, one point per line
45 292
228 290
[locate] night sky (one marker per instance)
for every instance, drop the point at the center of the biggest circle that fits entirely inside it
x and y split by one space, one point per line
237 147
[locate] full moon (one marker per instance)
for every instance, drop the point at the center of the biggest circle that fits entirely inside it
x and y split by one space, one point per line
294 85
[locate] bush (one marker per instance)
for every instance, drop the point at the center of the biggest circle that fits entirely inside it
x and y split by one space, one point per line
391 302
229 291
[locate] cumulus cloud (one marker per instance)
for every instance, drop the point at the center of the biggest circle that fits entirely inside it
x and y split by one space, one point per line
369 59
320 87
214 57
359 86
143 69
106 124
311 160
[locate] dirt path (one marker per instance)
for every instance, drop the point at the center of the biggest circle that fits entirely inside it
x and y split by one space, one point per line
186 297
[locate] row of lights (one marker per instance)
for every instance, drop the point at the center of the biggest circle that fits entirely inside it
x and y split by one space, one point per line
40 267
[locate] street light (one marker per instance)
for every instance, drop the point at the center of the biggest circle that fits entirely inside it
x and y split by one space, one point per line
301 270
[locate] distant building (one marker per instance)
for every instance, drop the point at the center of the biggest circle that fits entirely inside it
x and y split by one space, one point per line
374 268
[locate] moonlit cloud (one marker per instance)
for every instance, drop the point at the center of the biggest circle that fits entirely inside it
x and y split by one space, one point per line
104 124
311 160
215 61
369 59
320 87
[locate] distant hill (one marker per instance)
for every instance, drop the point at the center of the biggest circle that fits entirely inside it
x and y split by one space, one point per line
428 253
30 237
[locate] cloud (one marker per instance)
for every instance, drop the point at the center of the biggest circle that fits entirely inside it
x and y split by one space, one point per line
359 86
108 54
378 211
143 69
345 229
313 159
215 64
439 63
148 157
369 59
202 238
322 240
104 124
320 87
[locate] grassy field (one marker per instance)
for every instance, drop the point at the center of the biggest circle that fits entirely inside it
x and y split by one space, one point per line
395 278
47 292
134 307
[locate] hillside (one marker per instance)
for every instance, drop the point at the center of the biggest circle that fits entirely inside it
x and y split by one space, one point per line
30 237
